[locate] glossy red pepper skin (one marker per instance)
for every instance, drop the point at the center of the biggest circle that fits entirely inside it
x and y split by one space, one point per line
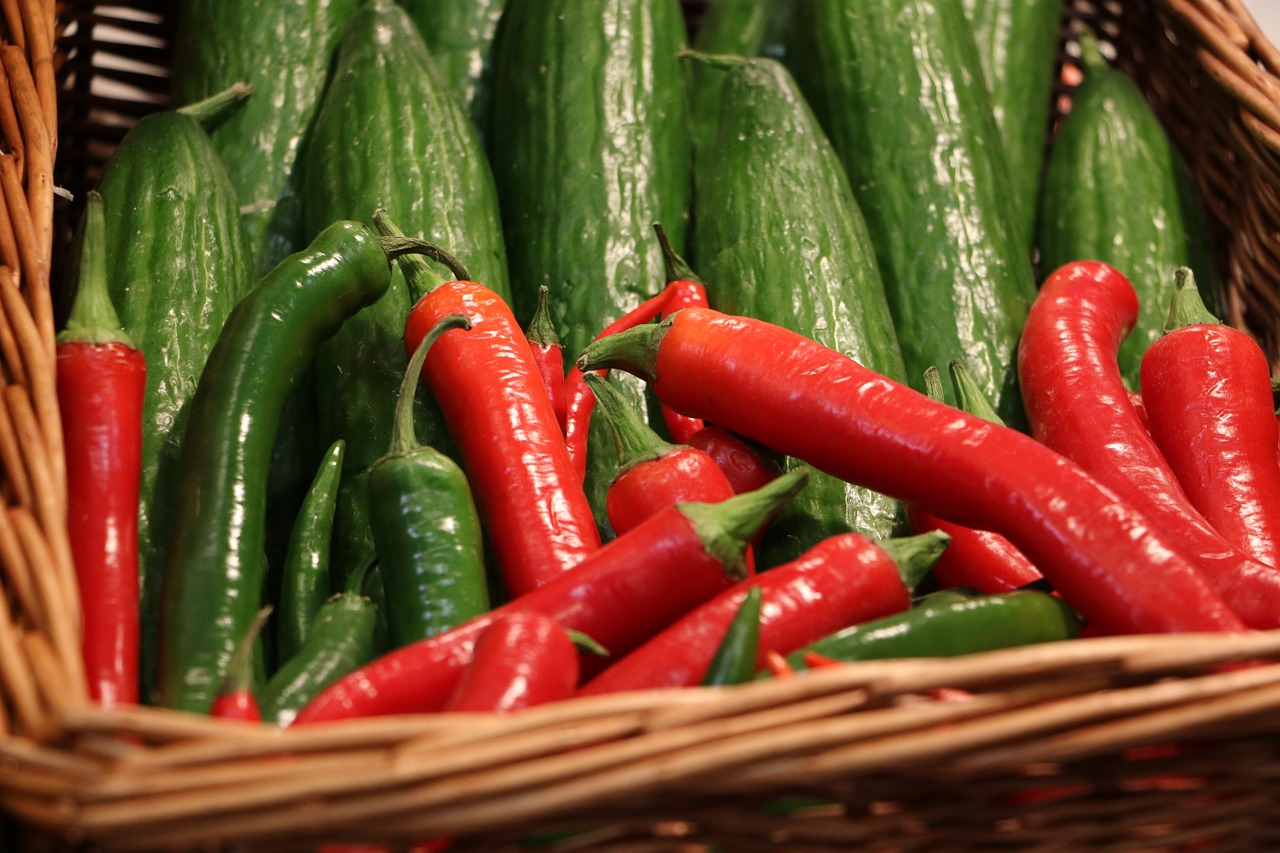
619 596
522 659
976 559
841 581
239 705
1077 405
808 401
683 293
100 395
744 465
646 488
1208 392
491 394
548 354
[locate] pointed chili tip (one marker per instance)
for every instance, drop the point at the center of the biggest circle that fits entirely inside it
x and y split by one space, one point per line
634 350
674 265
915 556
542 331
1186 306
969 396
726 528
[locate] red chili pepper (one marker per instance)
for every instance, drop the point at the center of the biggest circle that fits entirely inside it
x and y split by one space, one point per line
652 474
778 665
101 383
1208 390
841 581
236 699
548 354
524 658
747 467
491 394
982 560
1077 405
687 291
822 407
621 595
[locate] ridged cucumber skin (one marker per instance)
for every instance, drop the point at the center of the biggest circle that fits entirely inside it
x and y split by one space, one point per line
590 145
177 263
1116 191
781 239
898 87
284 49
1017 45
459 36
391 135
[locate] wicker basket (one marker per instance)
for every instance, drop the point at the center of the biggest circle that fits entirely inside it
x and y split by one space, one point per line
1136 743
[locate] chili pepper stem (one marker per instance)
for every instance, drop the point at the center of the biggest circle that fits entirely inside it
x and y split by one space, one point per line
541 330
404 439
676 268
396 245
634 440
726 528
968 395
240 670
634 350
213 110
93 318
916 555
722 61
1186 307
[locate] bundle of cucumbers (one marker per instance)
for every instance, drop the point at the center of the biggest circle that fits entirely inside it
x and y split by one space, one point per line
880 176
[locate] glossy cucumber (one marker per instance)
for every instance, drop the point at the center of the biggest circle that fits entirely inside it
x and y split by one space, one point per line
284 50
898 86
1017 45
781 238
590 146
390 135
177 263
1116 191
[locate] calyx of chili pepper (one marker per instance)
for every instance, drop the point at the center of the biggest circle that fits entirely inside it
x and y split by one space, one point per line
239 677
675 266
915 556
969 396
727 527
217 108
633 440
634 350
404 439
541 330
93 318
406 250
1186 306
734 661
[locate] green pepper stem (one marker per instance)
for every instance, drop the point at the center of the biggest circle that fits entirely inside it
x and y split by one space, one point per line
933 384
675 266
541 330
215 109
1186 306
726 528
240 670
93 318
634 350
723 61
633 440
915 556
969 395
421 278
404 438
356 580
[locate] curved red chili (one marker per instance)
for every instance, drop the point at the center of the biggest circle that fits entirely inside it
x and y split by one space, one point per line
1078 406
818 405
497 411
548 354
841 581
747 467
524 658
1208 392
101 382
624 593
686 291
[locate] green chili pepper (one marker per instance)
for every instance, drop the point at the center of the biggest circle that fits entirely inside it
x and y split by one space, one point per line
339 641
215 567
425 524
949 623
305 575
735 659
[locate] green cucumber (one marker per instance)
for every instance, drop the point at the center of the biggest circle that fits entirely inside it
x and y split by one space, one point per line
781 238
459 35
590 146
898 87
390 135
283 50
1018 47
177 262
1117 191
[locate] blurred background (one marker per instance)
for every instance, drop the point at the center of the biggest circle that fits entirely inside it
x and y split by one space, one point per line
1267 14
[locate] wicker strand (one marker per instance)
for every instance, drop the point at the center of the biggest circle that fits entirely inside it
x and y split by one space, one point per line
11 132
37 25
15 466
19 683
14 28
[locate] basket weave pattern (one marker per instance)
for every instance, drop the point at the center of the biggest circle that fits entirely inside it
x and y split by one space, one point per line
1136 743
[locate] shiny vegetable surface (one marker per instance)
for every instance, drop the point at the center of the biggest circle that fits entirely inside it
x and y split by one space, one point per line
524 658
304 577
806 400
